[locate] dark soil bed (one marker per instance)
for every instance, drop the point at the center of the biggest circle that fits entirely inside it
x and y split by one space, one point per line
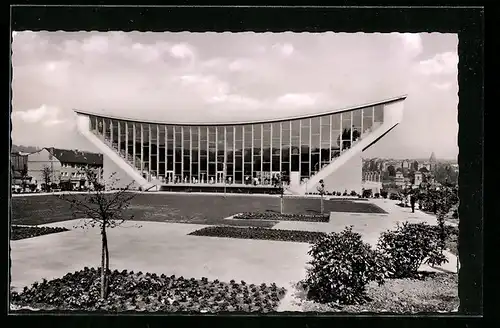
259 233
435 292
131 291
22 232
283 217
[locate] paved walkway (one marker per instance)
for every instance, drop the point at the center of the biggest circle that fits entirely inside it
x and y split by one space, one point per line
371 225
157 247
166 248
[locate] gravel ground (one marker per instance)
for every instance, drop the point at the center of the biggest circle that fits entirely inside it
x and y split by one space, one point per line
438 292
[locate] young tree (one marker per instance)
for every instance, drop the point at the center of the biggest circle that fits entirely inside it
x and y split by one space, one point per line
47 176
24 177
104 210
282 192
321 190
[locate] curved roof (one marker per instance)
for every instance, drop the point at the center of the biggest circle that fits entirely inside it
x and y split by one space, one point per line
291 118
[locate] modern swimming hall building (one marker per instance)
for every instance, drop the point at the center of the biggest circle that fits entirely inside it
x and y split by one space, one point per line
302 150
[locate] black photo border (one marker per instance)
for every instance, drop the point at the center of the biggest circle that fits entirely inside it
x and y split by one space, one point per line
468 22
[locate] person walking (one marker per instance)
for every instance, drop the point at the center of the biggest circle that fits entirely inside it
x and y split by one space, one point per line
412 202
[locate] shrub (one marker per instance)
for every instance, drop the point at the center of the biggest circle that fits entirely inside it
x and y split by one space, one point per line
338 193
341 267
394 196
353 193
377 195
383 193
408 246
367 193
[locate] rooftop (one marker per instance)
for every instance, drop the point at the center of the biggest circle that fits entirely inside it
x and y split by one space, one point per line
346 109
76 156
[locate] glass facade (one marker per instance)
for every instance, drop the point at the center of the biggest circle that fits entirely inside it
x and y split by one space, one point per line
236 154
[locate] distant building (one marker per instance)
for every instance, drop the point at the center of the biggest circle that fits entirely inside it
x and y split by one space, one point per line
418 178
432 162
405 164
65 165
19 162
41 161
399 180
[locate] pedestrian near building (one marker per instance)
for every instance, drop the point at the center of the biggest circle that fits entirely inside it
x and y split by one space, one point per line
412 202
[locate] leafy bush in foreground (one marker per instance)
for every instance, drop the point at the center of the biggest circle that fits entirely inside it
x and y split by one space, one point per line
341 268
407 247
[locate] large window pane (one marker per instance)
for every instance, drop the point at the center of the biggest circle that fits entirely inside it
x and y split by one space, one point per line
357 119
367 119
346 130
378 114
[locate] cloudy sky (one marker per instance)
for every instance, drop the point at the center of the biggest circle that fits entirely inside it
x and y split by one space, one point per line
194 77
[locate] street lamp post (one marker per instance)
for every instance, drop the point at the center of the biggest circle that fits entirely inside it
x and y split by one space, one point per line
224 174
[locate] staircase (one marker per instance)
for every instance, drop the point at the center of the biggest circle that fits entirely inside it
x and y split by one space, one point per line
122 160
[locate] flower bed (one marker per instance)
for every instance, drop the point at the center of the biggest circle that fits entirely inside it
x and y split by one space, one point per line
23 232
131 291
283 217
259 233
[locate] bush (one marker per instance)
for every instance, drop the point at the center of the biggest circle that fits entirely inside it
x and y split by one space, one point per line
341 267
394 196
338 193
383 193
353 193
367 193
408 246
377 195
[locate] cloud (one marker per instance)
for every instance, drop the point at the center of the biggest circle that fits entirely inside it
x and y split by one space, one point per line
297 100
412 43
286 49
235 102
443 63
231 76
206 86
182 50
240 65
46 115
442 86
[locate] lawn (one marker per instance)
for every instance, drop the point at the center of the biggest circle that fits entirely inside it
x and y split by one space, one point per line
185 208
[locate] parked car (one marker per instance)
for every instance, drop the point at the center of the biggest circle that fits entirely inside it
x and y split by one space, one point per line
16 189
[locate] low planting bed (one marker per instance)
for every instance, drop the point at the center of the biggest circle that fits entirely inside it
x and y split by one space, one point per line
259 234
283 217
23 232
129 291
432 292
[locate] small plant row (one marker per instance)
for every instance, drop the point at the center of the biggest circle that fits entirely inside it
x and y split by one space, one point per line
131 291
24 232
283 217
336 193
342 264
259 234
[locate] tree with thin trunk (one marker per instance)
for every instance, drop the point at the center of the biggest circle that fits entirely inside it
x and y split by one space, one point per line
47 176
24 177
102 209
282 192
321 190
